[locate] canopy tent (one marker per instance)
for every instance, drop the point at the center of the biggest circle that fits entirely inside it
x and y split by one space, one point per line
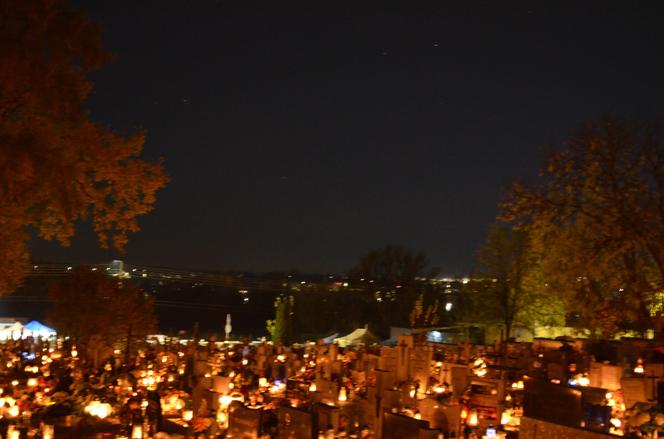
11 331
358 336
395 333
37 329
331 338
389 342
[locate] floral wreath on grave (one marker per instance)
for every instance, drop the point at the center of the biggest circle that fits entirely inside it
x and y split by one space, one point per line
645 418
200 424
202 421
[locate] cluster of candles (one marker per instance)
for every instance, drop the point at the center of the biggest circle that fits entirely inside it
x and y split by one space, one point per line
615 401
99 409
166 366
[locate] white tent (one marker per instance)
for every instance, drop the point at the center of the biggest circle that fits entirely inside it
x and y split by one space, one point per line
358 336
10 330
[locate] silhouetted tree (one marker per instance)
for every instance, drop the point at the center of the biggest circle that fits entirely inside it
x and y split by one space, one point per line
90 306
320 313
394 276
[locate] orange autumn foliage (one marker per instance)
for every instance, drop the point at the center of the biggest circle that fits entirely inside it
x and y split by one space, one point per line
94 308
595 217
56 165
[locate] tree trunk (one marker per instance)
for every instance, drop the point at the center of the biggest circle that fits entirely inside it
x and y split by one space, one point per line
128 344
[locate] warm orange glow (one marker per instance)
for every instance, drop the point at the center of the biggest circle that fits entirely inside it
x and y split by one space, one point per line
473 420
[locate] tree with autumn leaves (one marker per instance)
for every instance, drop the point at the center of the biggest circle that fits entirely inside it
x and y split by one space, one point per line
57 166
99 311
506 289
595 219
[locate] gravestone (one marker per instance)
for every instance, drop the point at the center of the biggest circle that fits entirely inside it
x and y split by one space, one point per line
428 433
297 388
440 416
553 403
260 350
459 379
392 399
220 384
374 410
420 367
370 363
466 351
294 366
592 395
212 399
321 360
406 340
243 422
385 379
427 407
358 377
396 426
336 368
403 362
388 359
654 369
201 367
611 376
635 390
596 417
596 414
261 363
330 363
328 417
556 371
595 374
327 391
296 423
332 352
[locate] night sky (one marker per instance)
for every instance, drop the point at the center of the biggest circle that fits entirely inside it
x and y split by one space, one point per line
299 138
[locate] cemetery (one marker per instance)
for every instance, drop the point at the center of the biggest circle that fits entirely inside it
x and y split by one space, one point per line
415 389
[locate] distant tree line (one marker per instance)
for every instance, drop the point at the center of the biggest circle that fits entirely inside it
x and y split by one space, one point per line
579 246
